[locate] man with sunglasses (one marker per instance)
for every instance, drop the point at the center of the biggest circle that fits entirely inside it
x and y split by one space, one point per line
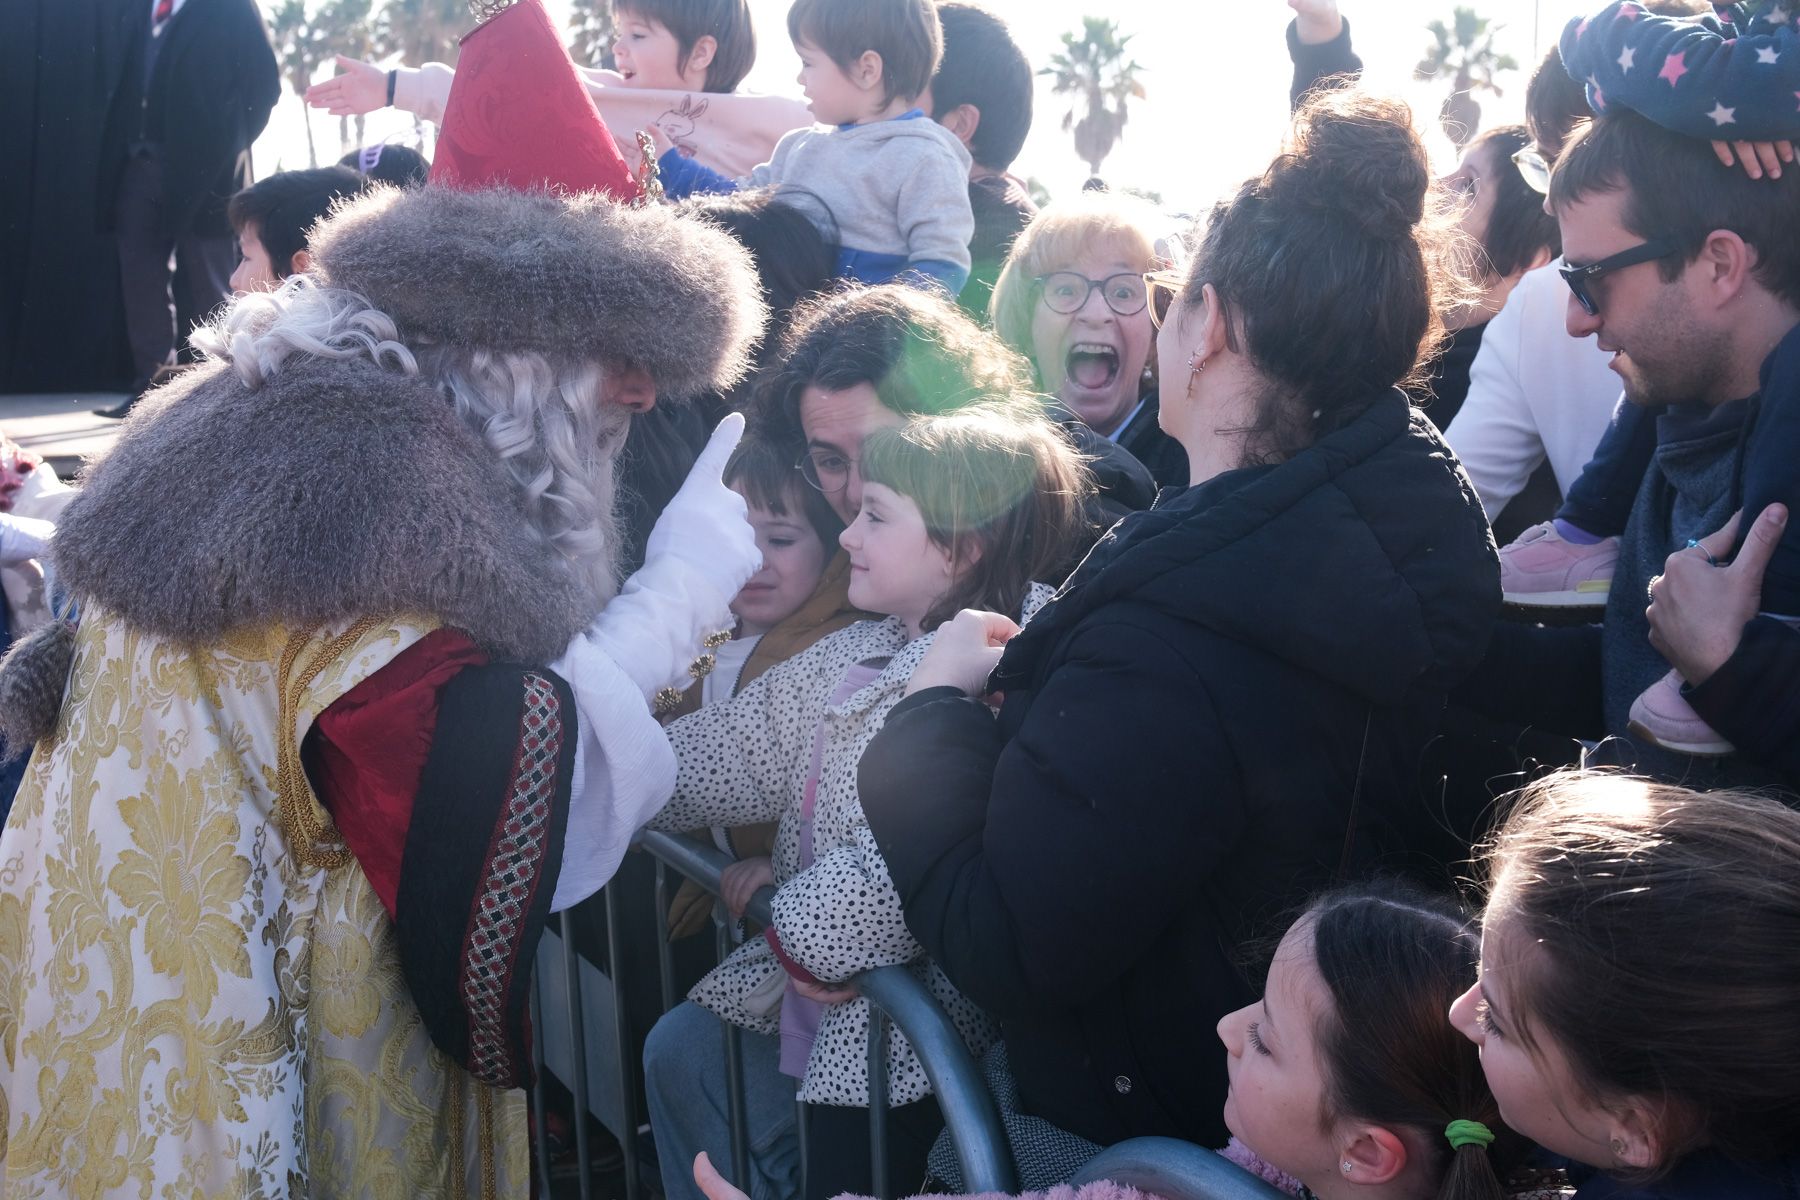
1688 274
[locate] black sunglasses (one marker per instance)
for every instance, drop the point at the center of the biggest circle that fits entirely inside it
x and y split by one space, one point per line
1580 279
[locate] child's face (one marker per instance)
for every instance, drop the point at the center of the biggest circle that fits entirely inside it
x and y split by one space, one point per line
793 559
255 273
895 567
648 55
1272 1060
834 97
1534 1086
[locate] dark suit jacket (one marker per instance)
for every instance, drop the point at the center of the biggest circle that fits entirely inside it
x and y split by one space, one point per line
209 96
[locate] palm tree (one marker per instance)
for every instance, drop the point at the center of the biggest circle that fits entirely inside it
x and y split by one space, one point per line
591 32
1092 70
1464 50
349 28
422 31
300 46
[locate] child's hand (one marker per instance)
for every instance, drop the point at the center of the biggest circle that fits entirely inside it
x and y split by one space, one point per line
358 87
1316 21
739 882
1758 158
714 1185
827 993
964 653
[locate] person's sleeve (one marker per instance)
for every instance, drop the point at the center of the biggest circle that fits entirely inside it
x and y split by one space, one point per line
1754 698
1540 676
1035 872
423 91
842 915
933 215
1695 77
735 759
683 177
1494 434
1324 64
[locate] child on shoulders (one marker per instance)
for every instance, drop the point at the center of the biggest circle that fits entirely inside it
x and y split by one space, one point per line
894 182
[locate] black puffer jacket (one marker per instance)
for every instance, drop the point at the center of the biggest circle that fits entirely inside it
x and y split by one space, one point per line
1221 713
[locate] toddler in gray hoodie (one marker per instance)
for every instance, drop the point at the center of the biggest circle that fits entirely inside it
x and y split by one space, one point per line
893 182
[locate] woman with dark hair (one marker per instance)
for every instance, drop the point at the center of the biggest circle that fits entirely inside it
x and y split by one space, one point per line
1509 234
1219 711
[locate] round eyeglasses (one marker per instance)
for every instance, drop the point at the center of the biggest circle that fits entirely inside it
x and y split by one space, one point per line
1068 291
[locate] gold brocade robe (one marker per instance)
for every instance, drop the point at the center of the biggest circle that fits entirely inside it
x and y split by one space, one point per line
191 1002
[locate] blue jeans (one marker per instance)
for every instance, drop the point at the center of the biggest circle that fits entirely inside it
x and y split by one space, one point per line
1601 498
684 1079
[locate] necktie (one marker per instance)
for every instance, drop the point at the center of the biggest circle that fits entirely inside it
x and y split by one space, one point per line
164 10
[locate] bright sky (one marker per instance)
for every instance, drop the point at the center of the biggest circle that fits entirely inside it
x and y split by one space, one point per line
1216 75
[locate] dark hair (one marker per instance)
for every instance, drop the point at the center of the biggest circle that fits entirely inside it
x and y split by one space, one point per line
1674 187
784 232
1394 959
766 474
285 206
1333 268
1554 104
1666 921
401 166
918 351
1519 228
904 32
727 22
997 474
984 67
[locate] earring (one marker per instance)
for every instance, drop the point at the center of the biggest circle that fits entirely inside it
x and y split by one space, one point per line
1344 1166
1196 364
1617 1146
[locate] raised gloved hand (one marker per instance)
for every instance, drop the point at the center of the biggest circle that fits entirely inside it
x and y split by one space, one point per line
700 554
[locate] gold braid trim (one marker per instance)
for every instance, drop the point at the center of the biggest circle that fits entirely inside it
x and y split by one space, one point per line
484 1104
459 1166
302 817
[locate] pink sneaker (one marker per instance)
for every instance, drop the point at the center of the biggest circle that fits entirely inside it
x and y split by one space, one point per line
1663 717
1542 570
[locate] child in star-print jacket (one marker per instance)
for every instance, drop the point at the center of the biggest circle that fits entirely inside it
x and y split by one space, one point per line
1733 76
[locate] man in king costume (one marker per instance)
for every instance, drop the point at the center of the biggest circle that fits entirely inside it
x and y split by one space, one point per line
355 701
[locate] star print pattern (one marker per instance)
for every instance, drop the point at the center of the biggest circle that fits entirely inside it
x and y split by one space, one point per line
1728 71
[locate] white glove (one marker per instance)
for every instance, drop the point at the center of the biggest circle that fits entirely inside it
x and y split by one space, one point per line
26 538
700 555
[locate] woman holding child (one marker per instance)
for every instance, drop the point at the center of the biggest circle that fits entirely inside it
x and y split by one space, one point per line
1217 713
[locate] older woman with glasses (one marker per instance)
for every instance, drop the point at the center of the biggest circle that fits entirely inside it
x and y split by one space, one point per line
1072 299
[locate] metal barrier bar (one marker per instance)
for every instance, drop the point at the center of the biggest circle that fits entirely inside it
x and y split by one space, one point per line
628 1139
969 1112
878 1104
734 1069
578 1044
1175 1170
540 1130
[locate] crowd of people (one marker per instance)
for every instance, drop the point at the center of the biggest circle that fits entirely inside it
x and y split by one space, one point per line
1141 634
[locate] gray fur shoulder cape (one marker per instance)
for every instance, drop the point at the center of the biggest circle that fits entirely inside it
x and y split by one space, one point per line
335 489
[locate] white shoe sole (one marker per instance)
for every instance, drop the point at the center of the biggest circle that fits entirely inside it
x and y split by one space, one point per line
1571 599
1713 749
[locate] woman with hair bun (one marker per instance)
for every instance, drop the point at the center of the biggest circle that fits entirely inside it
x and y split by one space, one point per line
1216 715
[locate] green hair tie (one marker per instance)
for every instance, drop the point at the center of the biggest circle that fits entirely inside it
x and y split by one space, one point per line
1468 1133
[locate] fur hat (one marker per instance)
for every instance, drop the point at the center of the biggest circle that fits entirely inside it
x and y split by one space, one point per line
578 278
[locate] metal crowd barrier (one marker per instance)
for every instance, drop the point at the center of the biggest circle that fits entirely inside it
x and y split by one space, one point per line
896 999
1164 1167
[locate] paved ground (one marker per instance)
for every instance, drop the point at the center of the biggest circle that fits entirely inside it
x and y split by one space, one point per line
61 427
